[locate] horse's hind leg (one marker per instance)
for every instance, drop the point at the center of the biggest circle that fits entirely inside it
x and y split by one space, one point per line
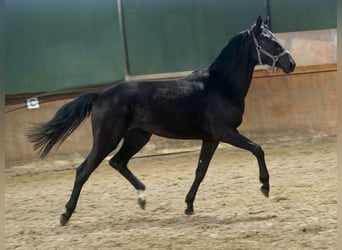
134 141
101 148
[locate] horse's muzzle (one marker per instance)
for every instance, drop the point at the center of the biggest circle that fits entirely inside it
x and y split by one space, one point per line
290 66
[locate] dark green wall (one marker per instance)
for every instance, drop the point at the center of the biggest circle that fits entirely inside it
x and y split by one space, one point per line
54 45
2 59
61 44
300 15
178 35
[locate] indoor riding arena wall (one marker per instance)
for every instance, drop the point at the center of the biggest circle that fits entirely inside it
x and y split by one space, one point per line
279 108
109 41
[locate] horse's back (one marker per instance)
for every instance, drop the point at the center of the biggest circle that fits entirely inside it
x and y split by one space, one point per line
170 108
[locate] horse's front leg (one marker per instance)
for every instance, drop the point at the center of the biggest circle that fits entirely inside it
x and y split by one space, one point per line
207 152
236 139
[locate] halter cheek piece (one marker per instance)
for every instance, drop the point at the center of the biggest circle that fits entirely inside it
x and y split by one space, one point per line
260 50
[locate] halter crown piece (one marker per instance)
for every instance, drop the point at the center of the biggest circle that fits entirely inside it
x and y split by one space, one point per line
260 50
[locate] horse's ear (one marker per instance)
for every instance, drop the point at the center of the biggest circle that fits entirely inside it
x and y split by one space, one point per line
258 24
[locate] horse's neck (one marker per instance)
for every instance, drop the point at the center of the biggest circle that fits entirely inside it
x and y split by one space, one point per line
244 81
236 81
233 70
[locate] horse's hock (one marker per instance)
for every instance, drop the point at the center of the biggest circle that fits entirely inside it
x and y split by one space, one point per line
279 108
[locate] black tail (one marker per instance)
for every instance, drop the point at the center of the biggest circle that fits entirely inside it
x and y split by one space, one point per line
46 135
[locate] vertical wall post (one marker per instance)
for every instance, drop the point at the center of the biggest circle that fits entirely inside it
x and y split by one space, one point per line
268 13
123 36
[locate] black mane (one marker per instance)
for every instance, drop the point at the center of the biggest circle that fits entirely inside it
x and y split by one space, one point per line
229 55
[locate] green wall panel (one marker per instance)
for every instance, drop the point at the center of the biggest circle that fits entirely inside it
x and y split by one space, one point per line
2 52
178 35
55 45
300 15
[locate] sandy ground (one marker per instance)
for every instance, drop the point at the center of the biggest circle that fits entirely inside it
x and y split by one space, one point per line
230 212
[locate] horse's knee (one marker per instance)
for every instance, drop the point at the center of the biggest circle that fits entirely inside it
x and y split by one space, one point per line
258 151
114 163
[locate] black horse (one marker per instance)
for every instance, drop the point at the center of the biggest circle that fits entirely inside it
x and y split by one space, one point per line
207 105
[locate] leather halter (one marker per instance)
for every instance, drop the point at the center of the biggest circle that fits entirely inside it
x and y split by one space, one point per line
260 50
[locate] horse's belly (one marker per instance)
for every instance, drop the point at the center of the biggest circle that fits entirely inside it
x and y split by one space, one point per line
174 127
176 133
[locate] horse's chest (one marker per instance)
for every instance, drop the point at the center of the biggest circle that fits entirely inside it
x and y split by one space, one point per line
227 114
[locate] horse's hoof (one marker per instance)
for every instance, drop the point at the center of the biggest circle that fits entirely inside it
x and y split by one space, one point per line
141 199
189 211
63 220
142 203
265 191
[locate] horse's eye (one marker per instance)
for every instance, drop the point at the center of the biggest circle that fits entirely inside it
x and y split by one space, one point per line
279 49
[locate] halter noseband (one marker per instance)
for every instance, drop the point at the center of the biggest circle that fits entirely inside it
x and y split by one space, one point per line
260 50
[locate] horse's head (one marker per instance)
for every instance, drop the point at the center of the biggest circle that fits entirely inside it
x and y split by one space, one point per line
268 50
